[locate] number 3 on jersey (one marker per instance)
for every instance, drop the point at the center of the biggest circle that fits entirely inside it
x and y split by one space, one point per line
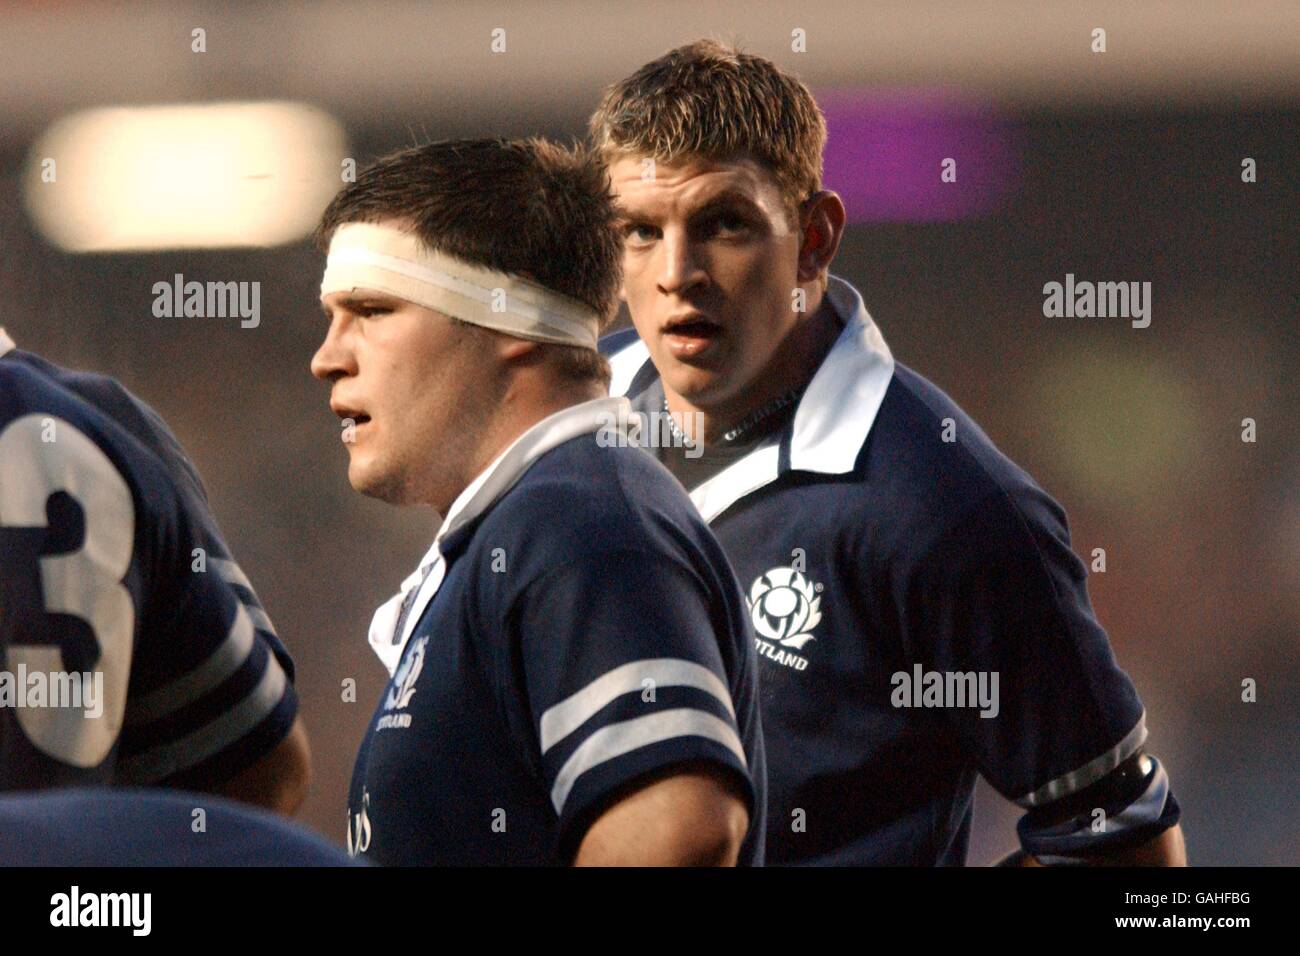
86 583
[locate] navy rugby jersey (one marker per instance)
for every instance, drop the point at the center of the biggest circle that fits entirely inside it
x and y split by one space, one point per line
919 616
112 566
575 628
129 826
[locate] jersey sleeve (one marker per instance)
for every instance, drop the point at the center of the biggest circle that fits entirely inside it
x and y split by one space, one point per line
622 677
150 428
212 685
1001 599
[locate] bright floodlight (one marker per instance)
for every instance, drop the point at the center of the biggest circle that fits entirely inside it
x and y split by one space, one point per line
167 177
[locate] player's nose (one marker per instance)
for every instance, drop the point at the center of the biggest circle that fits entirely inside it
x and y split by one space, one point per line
679 265
333 359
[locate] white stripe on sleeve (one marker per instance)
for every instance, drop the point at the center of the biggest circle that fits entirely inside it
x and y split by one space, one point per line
569 714
628 735
159 762
225 660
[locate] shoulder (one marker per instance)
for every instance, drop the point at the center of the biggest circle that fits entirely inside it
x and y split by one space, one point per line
616 342
34 390
943 476
34 385
627 355
141 421
582 500
39 399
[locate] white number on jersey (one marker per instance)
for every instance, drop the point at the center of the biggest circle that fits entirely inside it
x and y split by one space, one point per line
86 583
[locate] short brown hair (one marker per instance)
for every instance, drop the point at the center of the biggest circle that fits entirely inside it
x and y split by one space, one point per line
709 99
527 207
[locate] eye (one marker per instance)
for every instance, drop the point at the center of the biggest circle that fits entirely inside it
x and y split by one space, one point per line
370 310
729 222
639 233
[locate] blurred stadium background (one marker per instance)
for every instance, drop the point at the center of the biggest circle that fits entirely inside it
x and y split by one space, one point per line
1122 166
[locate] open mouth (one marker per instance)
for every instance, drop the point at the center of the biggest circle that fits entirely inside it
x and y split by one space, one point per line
346 415
353 423
688 337
694 328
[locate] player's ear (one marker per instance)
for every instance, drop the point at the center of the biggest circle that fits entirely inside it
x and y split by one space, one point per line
821 220
511 349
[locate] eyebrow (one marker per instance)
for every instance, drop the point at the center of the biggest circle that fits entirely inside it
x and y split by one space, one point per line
352 300
724 200
727 199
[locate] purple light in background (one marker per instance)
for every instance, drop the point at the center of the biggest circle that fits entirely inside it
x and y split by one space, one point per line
885 149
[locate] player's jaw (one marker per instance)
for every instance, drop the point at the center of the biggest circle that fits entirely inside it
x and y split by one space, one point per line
409 441
359 430
375 465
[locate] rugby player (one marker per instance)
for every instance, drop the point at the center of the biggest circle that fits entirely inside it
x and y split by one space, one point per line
118 592
572 678
920 616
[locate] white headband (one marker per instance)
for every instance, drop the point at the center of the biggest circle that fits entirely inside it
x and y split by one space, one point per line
364 255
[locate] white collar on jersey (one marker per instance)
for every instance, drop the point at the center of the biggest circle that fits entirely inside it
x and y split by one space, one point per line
479 496
6 343
832 419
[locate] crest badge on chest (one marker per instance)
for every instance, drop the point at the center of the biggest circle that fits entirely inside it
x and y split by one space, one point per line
785 607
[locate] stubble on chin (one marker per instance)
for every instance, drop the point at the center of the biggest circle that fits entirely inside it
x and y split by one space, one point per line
387 485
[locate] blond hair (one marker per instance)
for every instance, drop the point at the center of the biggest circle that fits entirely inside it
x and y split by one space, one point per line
711 100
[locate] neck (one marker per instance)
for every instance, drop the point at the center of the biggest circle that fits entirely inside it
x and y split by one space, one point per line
526 402
795 361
